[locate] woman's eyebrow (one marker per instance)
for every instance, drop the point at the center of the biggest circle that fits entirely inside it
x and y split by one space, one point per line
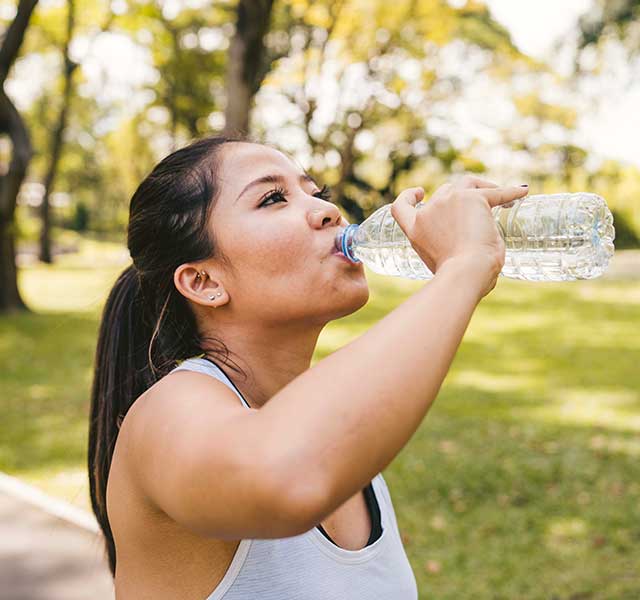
305 177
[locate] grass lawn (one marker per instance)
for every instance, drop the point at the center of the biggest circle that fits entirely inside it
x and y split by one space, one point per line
522 483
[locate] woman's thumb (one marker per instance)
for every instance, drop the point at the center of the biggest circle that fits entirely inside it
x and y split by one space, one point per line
403 207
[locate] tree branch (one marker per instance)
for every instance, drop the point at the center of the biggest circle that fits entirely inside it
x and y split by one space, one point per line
12 40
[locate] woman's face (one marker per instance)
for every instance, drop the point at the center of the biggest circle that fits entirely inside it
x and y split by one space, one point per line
279 236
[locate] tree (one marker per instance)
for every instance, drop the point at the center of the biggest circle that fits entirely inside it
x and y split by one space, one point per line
12 125
619 18
610 20
248 62
69 67
362 79
188 48
53 34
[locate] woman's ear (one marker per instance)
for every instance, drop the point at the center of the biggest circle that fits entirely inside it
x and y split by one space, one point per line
200 285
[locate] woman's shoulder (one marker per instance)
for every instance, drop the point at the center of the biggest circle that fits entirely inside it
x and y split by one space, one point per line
186 394
200 379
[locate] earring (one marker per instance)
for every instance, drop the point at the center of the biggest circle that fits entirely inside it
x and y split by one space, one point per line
218 294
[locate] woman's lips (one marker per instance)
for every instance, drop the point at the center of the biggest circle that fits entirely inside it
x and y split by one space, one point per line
342 257
337 252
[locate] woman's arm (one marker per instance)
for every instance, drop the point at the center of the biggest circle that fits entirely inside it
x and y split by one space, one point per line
343 421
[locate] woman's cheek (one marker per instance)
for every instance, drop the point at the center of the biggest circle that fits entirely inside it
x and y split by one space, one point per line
279 256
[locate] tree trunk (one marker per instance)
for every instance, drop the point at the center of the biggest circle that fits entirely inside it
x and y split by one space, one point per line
246 63
10 299
10 186
57 139
11 123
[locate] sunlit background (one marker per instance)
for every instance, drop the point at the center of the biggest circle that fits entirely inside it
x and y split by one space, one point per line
523 482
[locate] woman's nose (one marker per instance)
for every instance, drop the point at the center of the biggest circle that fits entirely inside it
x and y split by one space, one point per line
326 216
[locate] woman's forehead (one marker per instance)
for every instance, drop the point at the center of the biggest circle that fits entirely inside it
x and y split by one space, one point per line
244 162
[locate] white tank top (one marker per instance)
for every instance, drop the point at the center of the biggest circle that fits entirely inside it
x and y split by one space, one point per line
309 566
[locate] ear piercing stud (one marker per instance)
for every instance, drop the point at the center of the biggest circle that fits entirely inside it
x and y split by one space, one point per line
198 274
218 294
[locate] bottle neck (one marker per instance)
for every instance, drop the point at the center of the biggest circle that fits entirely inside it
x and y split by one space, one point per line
347 242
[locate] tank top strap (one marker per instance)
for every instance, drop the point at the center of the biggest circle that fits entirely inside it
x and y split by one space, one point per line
209 367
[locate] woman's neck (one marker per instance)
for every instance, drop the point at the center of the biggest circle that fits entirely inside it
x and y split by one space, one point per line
271 357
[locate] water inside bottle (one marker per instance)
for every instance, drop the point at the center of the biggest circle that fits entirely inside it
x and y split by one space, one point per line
561 237
558 237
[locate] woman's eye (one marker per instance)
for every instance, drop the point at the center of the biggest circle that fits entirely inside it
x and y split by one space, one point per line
324 193
277 194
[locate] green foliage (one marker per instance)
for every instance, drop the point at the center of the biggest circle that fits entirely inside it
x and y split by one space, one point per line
398 47
626 235
531 105
189 54
620 186
476 24
618 18
397 50
80 219
527 463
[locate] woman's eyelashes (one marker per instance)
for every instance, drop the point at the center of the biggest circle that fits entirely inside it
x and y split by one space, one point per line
324 193
279 195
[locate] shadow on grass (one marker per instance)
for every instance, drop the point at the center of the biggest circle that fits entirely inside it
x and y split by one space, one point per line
46 376
494 503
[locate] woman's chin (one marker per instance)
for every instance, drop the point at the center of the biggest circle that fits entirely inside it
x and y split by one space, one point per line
354 299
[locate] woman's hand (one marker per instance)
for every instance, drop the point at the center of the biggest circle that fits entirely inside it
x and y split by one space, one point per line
457 224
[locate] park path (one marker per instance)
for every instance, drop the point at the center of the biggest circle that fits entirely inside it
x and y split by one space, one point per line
44 557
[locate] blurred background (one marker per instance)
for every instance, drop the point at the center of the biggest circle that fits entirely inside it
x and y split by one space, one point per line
523 482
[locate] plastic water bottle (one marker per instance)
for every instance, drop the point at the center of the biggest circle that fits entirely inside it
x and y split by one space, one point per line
551 237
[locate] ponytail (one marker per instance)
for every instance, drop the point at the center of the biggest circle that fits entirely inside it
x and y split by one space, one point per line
139 342
119 378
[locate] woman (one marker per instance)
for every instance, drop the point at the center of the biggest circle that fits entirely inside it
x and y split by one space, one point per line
222 465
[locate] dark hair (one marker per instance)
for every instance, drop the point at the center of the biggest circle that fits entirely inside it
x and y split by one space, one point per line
147 326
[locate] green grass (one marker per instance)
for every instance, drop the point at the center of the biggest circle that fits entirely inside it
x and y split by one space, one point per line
522 483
